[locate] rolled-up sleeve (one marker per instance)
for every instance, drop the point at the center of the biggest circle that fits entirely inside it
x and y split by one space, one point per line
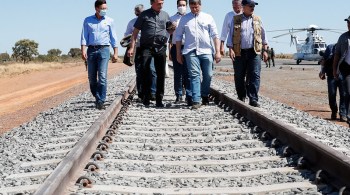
180 30
230 36
263 35
113 35
213 29
84 34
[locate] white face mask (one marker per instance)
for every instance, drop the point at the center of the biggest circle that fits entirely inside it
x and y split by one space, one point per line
103 12
181 10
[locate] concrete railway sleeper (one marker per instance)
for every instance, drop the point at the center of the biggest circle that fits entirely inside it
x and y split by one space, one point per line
223 148
228 148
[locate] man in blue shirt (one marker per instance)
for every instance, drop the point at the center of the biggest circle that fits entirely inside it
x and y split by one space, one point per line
98 34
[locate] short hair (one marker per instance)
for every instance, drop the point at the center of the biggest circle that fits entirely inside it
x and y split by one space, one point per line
177 3
195 1
100 2
239 1
139 7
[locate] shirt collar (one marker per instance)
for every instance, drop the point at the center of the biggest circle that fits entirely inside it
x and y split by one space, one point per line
247 17
194 15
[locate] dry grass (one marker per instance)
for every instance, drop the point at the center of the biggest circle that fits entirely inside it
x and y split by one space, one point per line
12 69
284 56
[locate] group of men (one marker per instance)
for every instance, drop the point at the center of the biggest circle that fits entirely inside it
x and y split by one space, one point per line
336 65
194 45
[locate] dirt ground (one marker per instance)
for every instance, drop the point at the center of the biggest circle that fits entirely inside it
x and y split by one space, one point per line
23 97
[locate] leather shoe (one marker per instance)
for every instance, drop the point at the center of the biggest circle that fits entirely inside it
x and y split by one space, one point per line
159 105
205 100
342 118
242 99
333 116
254 104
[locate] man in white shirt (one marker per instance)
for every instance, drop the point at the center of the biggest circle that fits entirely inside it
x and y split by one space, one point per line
226 26
181 78
198 28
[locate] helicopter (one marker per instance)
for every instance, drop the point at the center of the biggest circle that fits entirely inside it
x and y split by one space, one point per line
309 48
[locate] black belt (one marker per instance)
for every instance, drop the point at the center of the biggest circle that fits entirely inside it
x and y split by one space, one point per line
245 50
97 46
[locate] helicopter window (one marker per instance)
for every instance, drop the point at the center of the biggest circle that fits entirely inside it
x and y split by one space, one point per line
322 45
315 51
316 46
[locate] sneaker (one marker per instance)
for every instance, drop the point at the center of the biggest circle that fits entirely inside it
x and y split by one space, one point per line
196 105
178 100
254 104
342 118
100 106
205 101
333 116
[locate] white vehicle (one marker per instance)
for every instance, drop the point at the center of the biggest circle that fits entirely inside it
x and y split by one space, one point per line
309 48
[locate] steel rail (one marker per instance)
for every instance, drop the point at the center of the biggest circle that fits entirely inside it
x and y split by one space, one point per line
73 163
318 155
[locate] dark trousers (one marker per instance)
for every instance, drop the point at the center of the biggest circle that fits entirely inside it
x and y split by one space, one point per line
159 65
181 78
247 69
333 85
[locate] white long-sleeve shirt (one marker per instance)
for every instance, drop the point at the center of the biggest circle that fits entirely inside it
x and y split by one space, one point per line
198 31
130 29
226 26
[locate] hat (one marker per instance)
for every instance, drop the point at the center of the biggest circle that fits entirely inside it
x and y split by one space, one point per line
249 2
125 42
347 19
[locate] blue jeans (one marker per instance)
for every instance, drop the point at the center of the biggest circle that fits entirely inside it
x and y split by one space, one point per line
139 74
333 84
195 65
97 72
181 78
247 69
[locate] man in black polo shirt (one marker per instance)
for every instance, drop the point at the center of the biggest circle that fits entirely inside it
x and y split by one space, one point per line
152 23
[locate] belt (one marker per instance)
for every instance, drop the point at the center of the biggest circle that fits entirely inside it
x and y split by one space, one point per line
97 46
249 49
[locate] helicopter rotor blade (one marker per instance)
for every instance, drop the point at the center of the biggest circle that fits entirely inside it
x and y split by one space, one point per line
289 33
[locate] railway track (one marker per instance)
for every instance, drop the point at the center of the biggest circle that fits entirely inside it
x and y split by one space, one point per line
223 148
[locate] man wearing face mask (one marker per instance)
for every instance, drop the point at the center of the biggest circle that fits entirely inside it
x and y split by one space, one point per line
237 9
138 63
181 78
199 30
98 35
246 42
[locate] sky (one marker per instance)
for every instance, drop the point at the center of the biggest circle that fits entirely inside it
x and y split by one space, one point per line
57 24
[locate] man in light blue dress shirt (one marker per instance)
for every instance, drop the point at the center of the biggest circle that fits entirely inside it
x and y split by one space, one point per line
247 42
98 35
198 28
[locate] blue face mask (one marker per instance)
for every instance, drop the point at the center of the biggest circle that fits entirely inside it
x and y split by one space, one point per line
103 12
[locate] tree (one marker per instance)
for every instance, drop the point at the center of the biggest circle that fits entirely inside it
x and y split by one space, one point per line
4 57
74 52
54 54
25 50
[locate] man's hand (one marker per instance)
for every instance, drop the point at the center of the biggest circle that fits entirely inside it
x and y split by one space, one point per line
265 56
179 58
131 52
232 54
222 51
114 58
84 55
217 57
322 75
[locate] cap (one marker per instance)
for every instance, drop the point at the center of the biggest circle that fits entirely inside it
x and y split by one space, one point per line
249 2
347 19
125 42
